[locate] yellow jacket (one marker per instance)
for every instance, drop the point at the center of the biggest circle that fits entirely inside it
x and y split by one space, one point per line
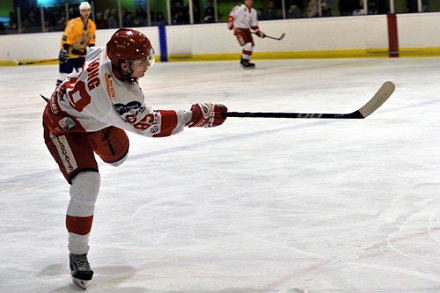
78 37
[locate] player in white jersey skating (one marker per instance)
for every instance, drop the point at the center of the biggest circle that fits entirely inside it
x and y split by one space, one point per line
89 113
242 19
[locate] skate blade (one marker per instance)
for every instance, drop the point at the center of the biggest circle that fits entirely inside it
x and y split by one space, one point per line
248 68
80 283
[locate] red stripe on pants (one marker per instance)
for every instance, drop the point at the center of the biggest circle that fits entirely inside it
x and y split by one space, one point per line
393 37
79 225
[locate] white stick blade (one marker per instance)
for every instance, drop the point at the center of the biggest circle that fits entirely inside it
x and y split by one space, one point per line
385 91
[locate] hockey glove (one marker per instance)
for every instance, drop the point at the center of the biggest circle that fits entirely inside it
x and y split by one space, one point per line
260 34
207 115
230 23
63 56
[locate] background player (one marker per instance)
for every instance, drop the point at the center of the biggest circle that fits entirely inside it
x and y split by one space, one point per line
78 35
242 19
89 113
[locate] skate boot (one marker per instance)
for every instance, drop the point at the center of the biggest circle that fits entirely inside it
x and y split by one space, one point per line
80 269
246 64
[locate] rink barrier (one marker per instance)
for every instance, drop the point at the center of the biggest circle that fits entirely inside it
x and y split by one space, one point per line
368 36
324 54
393 35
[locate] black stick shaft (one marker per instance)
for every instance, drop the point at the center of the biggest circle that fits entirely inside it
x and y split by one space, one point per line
353 115
372 105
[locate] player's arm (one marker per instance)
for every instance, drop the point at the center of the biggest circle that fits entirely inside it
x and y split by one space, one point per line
92 33
254 25
66 42
231 18
160 123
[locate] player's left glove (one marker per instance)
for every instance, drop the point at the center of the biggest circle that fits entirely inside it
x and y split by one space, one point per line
260 34
63 56
230 22
207 115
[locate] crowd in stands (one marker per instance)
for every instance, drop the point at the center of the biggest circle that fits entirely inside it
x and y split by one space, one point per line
55 17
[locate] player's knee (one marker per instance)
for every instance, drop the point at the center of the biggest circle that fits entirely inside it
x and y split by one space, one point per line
248 47
85 187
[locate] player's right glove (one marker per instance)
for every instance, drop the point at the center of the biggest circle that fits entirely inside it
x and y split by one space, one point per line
207 115
260 34
63 56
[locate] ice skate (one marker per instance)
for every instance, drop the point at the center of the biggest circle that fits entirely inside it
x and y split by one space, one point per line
80 269
80 283
246 64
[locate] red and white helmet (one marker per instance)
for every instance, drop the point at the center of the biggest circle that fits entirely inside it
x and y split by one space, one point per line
128 45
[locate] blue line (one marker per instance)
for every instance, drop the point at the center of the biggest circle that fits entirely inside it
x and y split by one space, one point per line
163 43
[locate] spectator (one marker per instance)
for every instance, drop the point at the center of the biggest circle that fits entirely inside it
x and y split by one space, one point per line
128 19
313 10
294 12
382 6
111 16
326 11
299 4
152 17
347 7
209 12
32 24
412 6
140 16
61 22
180 17
13 26
196 11
2 28
101 23
160 19
272 12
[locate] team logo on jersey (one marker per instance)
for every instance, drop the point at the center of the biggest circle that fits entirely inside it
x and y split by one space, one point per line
130 107
66 123
154 129
109 84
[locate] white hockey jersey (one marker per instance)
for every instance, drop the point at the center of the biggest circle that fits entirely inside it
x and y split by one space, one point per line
243 17
94 99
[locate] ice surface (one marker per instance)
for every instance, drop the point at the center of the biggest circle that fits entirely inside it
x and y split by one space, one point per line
256 205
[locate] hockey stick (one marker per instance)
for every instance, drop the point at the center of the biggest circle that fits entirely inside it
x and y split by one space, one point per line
274 38
278 39
17 62
372 105
36 62
44 98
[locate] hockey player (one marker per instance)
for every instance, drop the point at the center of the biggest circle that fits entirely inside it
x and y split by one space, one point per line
242 19
78 35
89 113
